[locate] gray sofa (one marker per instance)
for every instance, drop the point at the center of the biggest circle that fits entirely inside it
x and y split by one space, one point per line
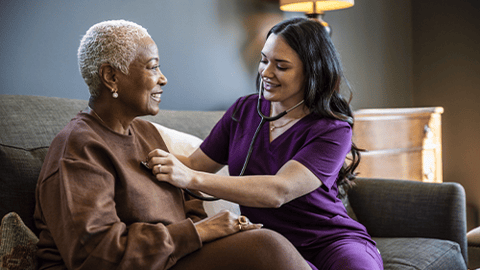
416 225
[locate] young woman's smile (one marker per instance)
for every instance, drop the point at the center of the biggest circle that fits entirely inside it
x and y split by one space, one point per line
268 86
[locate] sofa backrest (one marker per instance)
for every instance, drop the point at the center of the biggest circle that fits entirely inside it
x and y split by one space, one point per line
28 125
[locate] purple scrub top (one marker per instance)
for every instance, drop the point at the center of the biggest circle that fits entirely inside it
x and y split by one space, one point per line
320 144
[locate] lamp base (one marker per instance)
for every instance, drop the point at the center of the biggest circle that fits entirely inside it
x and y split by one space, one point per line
319 18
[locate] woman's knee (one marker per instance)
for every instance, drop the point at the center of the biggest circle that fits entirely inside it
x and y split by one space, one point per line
349 254
265 239
273 249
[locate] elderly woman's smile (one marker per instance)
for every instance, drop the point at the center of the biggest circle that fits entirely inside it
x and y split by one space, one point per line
157 96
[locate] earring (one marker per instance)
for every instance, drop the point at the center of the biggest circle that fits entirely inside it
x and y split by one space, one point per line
114 93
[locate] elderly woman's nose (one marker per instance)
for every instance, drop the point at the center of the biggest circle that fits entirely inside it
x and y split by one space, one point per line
162 80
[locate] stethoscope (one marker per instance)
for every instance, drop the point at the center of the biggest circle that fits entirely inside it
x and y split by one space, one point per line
264 119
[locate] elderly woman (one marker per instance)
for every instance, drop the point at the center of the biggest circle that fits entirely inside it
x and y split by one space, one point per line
98 208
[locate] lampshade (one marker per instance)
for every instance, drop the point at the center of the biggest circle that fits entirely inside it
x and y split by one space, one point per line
314 7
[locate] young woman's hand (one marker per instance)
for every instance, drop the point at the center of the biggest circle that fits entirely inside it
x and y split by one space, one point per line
223 224
167 168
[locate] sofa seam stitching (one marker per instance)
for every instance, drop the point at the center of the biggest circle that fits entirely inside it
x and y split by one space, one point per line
24 148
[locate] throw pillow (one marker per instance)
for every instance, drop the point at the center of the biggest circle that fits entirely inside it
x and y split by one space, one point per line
178 143
17 244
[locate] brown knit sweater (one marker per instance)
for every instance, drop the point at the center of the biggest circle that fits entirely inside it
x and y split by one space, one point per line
98 208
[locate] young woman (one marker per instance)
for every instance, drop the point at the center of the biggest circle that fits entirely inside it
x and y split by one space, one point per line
297 162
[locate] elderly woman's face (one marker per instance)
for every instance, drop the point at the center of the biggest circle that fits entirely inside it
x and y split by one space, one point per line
140 90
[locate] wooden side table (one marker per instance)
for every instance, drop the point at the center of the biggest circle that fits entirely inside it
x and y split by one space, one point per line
404 143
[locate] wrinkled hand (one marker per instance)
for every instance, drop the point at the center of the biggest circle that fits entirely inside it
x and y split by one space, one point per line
167 168
223 224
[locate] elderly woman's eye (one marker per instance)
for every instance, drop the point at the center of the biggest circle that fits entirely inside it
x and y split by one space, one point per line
155 67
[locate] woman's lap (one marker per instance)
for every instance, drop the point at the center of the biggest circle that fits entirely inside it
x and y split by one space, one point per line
255 249
266 249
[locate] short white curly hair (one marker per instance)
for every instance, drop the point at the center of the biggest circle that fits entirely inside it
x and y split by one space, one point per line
114 42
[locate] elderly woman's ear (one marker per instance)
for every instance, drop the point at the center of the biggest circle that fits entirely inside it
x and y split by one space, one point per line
108 76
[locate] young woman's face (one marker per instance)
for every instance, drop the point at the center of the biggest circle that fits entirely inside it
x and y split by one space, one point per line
282 72
140 90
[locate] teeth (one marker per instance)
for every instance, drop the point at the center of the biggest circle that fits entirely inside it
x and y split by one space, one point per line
156 96
269 85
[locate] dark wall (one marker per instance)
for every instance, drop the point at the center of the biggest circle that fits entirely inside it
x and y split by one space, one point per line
209 49
446 69
198 43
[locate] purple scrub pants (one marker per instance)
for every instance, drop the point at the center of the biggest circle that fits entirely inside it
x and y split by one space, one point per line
346 254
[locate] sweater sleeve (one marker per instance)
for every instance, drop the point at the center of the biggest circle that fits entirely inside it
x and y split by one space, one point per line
194 207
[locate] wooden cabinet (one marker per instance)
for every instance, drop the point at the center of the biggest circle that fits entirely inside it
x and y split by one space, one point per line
403 143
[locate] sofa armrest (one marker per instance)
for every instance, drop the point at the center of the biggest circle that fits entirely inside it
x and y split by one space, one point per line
400 208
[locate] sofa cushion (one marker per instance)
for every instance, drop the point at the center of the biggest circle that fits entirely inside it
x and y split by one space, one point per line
420 253
17 244
19 169
473 238
28 124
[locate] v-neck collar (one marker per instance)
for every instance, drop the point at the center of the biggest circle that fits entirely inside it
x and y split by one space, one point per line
266 105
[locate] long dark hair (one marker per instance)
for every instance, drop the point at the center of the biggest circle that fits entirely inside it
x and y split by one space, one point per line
323 75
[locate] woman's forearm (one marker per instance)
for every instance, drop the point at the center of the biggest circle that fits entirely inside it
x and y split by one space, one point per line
271 191
254 191
198 161
247 190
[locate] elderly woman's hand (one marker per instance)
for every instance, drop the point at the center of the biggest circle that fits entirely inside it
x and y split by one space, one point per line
223 224
167 168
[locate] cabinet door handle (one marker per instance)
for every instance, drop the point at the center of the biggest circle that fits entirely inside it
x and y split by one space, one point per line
428 131
429 174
